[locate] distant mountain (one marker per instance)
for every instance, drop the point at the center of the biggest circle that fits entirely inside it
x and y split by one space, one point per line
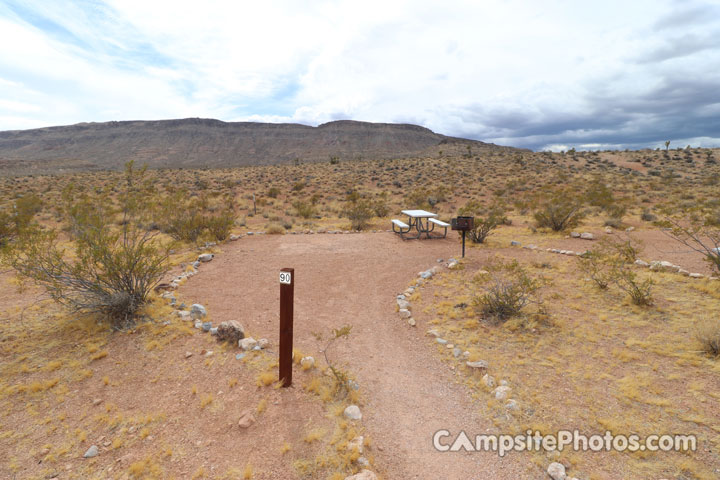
196 143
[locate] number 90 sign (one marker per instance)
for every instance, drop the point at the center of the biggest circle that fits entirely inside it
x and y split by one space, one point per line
286 278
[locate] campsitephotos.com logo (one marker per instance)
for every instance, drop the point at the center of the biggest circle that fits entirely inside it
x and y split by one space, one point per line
534 441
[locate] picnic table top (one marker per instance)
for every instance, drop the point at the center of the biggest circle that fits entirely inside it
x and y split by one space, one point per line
419 214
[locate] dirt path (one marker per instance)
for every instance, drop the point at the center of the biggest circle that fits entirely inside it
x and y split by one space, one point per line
353 279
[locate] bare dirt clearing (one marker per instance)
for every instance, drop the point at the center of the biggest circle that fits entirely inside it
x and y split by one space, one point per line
353 279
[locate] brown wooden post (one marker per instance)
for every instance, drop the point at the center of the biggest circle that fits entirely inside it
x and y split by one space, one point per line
287 292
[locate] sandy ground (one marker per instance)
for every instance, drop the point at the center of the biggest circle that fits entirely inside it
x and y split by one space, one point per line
353 279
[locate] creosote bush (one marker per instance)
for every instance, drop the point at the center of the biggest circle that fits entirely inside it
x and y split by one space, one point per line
486 220
707 333
507 290
190 220
559 211
112 269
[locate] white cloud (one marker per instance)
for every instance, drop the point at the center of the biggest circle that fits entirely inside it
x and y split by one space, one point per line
516 72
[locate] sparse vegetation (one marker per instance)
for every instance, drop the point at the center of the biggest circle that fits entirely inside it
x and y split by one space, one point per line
559 211
114 269
508 289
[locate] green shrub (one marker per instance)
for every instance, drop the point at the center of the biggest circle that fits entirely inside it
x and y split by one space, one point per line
304 209
559 211
508 290
486 220
707 334
113 270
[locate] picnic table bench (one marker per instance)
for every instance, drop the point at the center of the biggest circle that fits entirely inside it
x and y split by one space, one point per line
421 221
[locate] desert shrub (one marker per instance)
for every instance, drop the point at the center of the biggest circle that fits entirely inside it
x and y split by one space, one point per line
559 211
18 218
640 291
273 192
303 209
486 219
275 229
359 210
609 262
646 216
220 223
594 266
113 269
507 291
189 220
695 228
707 333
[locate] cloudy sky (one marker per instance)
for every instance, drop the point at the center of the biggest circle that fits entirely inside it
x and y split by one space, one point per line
541 75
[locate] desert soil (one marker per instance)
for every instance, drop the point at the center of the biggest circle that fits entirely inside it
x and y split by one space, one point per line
353 279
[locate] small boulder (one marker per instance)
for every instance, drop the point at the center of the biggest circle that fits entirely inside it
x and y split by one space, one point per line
363 475
411 322
404 313
247 419
501 392
574 234
557 471
247 343
198 311
403 304
91 452
480 364
206 257
231 331
356 444
352 413
587 236
488 380
307 362
206 326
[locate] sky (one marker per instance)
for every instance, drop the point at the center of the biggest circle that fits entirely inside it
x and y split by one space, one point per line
548 75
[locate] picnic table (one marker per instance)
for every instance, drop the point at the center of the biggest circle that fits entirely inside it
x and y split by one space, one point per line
421 221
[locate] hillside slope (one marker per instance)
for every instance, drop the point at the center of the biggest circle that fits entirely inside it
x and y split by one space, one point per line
196 143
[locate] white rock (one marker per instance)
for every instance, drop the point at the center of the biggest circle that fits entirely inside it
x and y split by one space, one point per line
608 230
198 311
641 263
356 444
574 234
629 229
488 380
433 333
512 405
352 413
696 275
206 257
247 343
411 322
557 471
263 343
403 304
501 392
307 362
363 475
91 452
482 364
184 315
587 236
404 313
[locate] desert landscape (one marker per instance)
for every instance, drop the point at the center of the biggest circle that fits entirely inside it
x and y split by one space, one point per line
379 240
614 330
